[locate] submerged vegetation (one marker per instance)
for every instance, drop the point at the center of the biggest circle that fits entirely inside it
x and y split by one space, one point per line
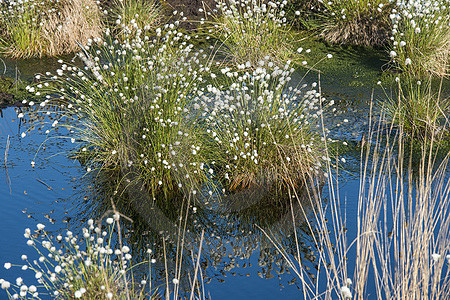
213 112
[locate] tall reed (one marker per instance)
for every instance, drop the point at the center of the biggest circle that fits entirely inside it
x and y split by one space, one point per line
401 243
421 37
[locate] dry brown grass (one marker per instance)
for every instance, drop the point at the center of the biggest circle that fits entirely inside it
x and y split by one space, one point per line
357 22
360 31
275 174
49 29
77 22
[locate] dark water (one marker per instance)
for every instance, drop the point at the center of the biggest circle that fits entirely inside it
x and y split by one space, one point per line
26 69
238 261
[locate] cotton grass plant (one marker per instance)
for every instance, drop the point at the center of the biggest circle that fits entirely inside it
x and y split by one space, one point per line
95 265
421 37
134 14
250 30
21 32
128 108
49 27
263 131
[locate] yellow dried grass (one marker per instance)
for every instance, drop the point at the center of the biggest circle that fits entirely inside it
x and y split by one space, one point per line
76 23
60 30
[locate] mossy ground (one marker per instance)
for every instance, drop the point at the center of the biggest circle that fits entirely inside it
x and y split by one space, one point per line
11 91
350 67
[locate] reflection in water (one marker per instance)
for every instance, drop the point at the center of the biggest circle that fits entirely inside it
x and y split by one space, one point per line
25 69
233 243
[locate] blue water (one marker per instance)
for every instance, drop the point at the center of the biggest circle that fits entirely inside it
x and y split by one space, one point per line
239 262
259 270
24 200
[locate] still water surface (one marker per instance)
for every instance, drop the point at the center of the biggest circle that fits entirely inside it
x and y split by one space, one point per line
238 261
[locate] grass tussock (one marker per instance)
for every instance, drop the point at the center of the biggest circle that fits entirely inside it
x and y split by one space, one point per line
253 30
98 264
420 109
358 22
262 130
421 37
40 28
135 14
128 109
77 22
